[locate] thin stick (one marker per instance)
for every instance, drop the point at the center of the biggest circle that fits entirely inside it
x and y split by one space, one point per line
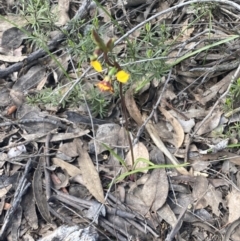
46 165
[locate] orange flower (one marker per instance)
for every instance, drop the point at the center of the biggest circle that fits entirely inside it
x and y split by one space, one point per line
105 86
96 65
122 76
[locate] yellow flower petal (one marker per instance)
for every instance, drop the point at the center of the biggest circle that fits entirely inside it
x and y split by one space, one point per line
96 65
105 86
122 76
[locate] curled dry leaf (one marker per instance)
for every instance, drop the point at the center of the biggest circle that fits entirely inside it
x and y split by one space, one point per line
179 133
61 180
139 151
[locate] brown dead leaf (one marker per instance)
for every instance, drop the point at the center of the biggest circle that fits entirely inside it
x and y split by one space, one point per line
71 169
18 51
206 195
29 209
233 200
187 125
210 124
6 22
220 87
172 57
158 142
17 97
34 75
132 107
139 151
89 173
4 96
186 31
4 191
163 5
11 109
12 38
107 134
214 198
60 180
179 133
166 213
63 7
42 83
12 59
38 137
136 204
234 158
39 195
200 187
69 149
7 206
155 190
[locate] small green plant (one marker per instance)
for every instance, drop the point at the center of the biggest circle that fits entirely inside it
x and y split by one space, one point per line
233 96
98 103
38 14
235 89
234 130
96 100
204 9
45 96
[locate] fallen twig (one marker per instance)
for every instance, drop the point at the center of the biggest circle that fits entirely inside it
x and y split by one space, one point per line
20 191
